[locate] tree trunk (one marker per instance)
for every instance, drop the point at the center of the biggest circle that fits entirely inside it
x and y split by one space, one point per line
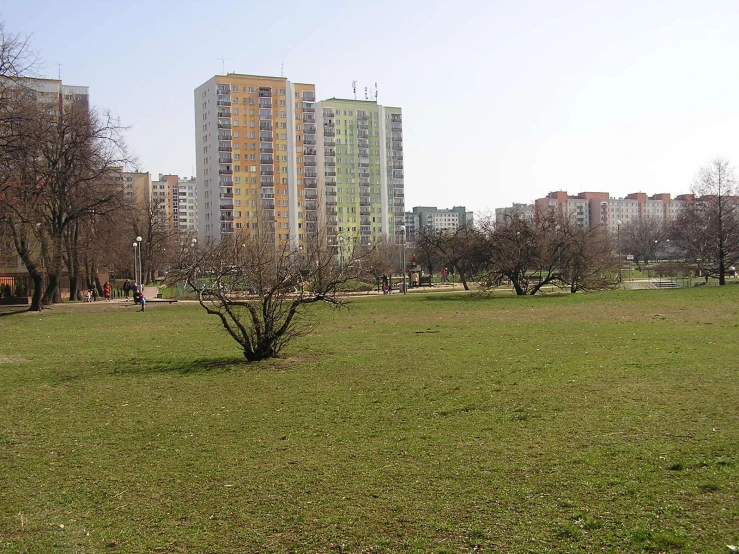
36 305
52 294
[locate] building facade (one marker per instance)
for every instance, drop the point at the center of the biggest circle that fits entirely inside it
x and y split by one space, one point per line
361 180
436 219
256 156
598 208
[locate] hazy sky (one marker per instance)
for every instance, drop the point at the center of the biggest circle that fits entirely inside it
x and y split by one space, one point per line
502 101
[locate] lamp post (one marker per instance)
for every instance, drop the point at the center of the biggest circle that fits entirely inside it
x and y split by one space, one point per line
135 263
402 258
141 269
618 239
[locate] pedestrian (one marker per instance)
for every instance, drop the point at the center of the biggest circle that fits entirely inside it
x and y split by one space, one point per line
127 288
142 300
106 291
88 295
444 274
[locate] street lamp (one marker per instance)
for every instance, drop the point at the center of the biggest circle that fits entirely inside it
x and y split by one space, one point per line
618 239
141 269
135 263
402 258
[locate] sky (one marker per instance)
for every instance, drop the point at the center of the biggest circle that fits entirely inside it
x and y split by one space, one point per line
502 102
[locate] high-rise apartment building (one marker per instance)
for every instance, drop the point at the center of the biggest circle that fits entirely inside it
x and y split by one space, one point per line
269 155
256 156
178 198
361 182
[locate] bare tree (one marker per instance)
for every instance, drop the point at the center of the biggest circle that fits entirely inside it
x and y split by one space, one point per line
587 259
261 292
640 238
708 229
426 249
454 247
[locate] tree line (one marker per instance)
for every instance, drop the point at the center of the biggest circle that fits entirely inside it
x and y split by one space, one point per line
64 205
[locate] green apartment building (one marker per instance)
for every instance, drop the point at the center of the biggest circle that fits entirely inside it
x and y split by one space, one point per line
360 151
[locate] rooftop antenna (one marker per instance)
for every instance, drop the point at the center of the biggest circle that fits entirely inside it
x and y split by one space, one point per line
223 62
59 66
375 91
282 69
354 86
366 97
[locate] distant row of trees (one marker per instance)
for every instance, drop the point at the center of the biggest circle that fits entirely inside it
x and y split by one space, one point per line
551 249
526 253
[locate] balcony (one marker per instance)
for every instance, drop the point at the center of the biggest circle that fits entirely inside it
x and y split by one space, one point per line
330 153
311 174
266 149
265 138
226 195
309 118
225 182
364 164
264 92
224 136
329 163
266 160
362 125
329 142
330 173
225 149
397 165
309 107
363 143
364 202
309 96
329 132
224 102
227 206
309 163
362 117
308 151
220 161
310 182
309 129
266 172
224 113
309 140
225 172
397 147
227 217
396 117
224 125
362 134
263 126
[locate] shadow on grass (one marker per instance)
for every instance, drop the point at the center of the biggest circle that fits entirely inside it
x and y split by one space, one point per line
14 310
184 367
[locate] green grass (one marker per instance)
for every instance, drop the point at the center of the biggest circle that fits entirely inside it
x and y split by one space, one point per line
420 423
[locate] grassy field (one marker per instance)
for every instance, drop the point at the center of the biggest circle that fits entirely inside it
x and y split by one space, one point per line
427 423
